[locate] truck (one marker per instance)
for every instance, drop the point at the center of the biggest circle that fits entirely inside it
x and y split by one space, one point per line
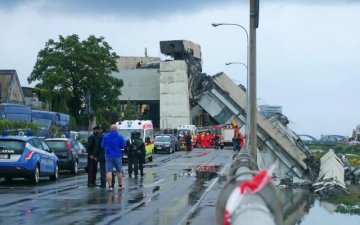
227 134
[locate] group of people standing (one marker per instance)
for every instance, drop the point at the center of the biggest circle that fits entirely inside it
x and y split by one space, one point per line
106 148
207 140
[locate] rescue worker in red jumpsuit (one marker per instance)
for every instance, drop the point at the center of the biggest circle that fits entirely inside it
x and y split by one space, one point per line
202 140
207 140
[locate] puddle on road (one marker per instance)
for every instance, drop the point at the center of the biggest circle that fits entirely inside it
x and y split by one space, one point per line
155 189
136 198
168 213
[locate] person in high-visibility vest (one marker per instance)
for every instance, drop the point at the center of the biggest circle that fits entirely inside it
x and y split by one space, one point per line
202 140
207 140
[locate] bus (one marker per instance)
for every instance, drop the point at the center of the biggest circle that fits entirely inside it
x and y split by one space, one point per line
47 119
15 112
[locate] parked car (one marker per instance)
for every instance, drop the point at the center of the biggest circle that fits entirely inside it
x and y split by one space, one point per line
176 142
27 157
71 153
164 143
83 137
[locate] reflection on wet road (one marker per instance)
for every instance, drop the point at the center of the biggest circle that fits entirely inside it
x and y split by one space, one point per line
165 195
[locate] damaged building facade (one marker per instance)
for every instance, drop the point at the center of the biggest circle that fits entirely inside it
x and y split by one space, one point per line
177 92
165 90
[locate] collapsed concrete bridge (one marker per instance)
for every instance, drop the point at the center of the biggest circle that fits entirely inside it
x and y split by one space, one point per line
180 93
220 98
276 142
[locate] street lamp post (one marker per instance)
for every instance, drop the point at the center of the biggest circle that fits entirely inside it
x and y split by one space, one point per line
230 63
248 116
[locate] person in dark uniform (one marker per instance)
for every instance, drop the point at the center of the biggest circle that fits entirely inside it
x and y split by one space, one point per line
140 153
188 142
138 146
236 145
216 141
92 150
101 158
131 153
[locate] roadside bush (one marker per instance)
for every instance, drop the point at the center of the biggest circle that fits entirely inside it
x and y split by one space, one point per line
14 127
346 149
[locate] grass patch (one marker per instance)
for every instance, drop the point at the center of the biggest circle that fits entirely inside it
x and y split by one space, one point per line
318 147
347 204
352 152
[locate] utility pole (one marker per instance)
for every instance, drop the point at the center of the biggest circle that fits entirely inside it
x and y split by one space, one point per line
238 204
254 23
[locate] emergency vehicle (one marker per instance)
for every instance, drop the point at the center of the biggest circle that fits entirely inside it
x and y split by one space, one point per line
146 129
227 134
189 130
27 157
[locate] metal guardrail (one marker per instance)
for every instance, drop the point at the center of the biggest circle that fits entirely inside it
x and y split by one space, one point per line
260 207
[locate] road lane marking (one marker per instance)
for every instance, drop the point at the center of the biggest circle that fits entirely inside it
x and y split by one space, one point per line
195 207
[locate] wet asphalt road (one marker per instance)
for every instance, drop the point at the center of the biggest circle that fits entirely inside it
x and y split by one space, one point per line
169 193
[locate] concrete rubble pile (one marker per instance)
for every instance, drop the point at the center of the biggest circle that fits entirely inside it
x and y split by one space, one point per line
331 177
352 175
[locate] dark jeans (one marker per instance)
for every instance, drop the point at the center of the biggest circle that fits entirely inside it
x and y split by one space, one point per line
92 170
102 174
134 164
188 146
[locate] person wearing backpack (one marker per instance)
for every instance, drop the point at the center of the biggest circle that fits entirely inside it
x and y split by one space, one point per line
138 147
131 153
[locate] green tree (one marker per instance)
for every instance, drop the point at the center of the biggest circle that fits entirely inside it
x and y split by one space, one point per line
131 112
53 99
71 68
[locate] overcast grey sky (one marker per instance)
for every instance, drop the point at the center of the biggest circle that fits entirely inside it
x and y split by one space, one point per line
307 53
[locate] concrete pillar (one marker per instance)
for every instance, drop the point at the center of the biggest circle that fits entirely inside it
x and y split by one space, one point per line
174 94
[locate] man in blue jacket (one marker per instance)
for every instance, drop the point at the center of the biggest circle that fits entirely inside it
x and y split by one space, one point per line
114 145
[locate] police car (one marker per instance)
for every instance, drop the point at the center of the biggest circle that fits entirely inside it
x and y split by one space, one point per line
27 157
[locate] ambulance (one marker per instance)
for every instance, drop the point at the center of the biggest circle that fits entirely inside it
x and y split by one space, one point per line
188 130
146 129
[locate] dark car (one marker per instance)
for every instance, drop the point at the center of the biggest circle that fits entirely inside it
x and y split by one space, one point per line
164 143
71 153
27 157
176 142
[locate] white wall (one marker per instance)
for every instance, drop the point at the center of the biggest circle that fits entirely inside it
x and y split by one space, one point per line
139 84
174 94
